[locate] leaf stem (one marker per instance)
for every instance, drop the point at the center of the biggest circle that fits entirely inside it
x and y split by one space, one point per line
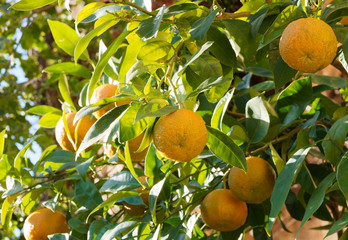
126 2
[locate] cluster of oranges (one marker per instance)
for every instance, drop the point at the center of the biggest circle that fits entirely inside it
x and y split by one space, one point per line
226 209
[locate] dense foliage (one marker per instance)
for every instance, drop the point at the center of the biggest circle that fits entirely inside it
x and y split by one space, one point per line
193 54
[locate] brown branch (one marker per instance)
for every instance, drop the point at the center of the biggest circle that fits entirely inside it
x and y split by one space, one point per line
226 16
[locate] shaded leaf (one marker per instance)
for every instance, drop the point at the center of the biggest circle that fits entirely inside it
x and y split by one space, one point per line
87 194
283 183
201 26
121 181
69 68
342 177
257 119
148 28
282 73
224 148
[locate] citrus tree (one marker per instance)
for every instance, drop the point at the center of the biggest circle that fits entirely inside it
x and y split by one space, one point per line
180 120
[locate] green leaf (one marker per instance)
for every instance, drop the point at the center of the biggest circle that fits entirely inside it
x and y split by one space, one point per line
155 50
220 110
12 187
129 129
120 227
257 119
282 73
2 142
208 84
152 109
83 43
338 225
101 127
82 168
289 14
18 159
69 68
27 5
100 12
95 227
64 90
294 100
103 61
334 82
257 19
333 6
50 119
342 177
221 48
154 193
121 181
152 163
316 199
200 51
224 148
148 28
6 212
111 200
338 133
201 26
88 10
42 110
5 166
61 236
65 37
283 183
87 194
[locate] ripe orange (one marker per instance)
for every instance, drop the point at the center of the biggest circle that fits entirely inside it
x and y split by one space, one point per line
44 222
181 135
62 136
308 45
222 211
134 144
344 20
255 185
105 91
138 210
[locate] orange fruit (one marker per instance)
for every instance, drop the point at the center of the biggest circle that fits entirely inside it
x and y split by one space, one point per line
62 136
308 45
138 210
105 91
180 135
134 144
344 20
44 222
255 185
222 211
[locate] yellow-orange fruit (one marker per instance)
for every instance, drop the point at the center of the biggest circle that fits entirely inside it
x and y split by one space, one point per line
105 91
62 136
44 222
181 135
255 185
222 211
308 45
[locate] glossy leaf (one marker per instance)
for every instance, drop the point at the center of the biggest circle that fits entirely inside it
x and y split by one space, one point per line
148 28
289 14
338 225
283 183
87 194
338 133
50 120
201 26
155 51
42 110
282 73
257 119
88 10
102 11
101 126
27 5
120 227
64 90
316 199
220 110
103 61
224 148
294 100
121 181
65 37
154 193
69 68
83 43
332 81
